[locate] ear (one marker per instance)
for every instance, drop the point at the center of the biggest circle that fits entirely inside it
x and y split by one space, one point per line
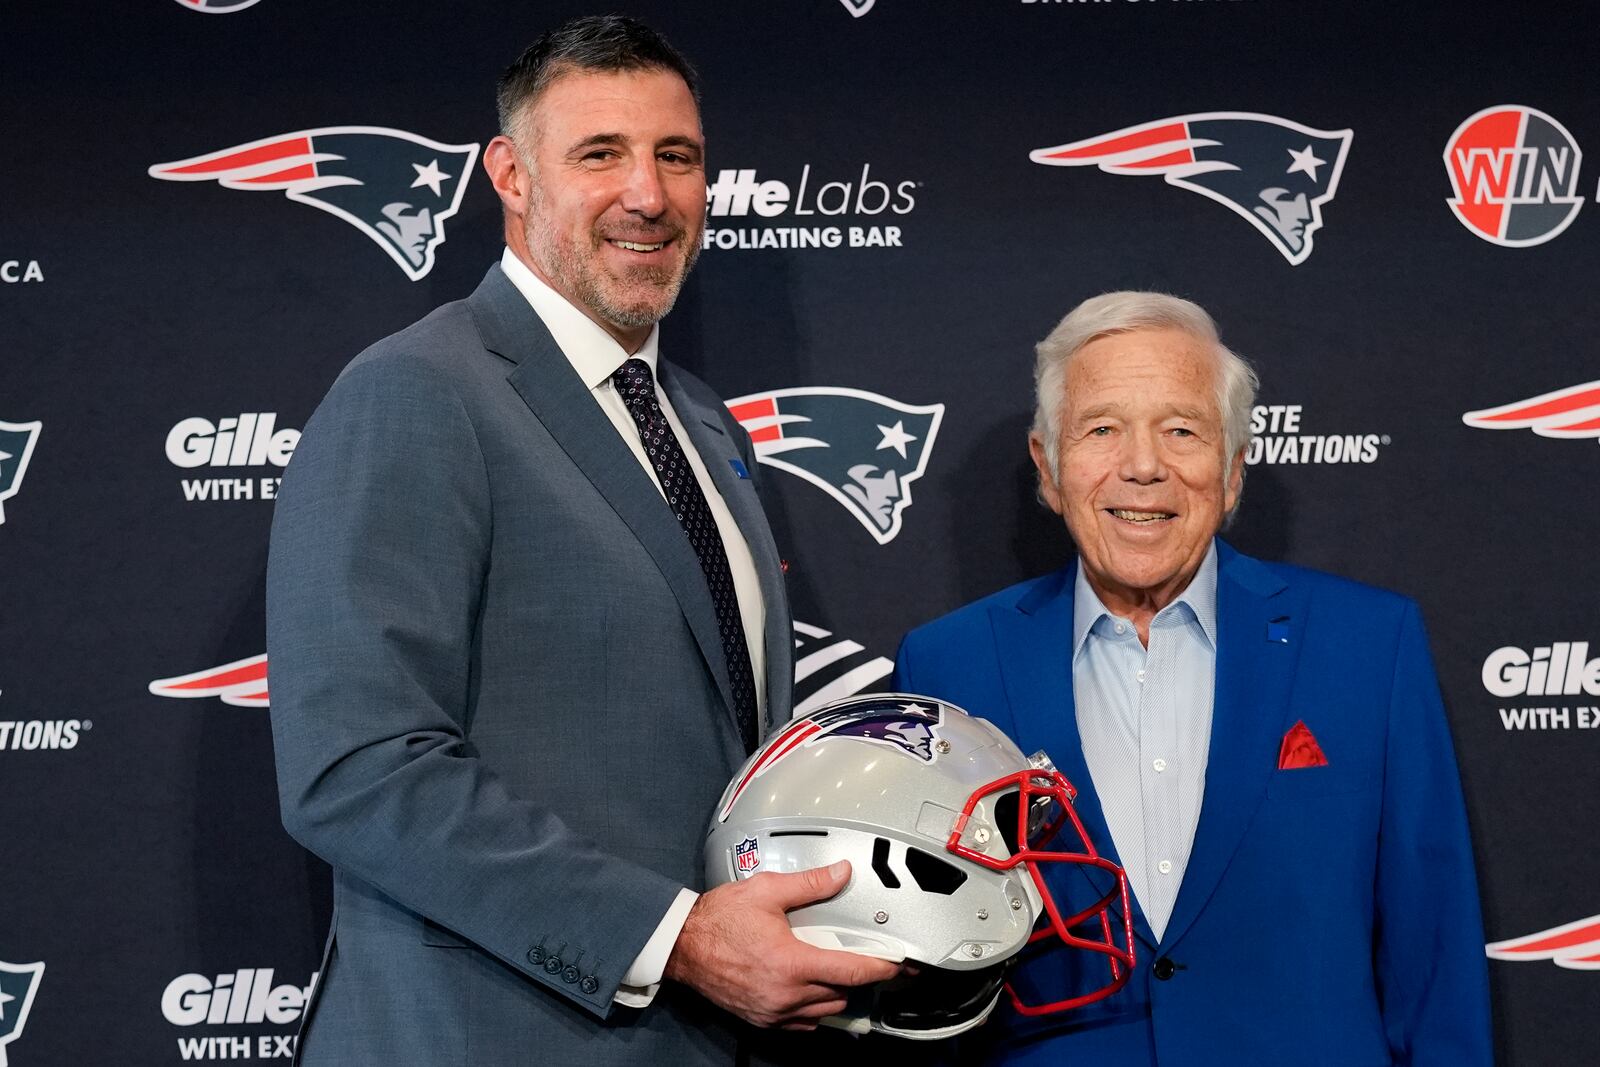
510 178
1049 492
1234 483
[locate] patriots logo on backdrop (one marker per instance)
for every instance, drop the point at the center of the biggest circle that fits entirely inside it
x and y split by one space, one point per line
1572 412
889 720
826 668
242 683
861 448
829 668
16 448
857 8
395 187
1575 946
1273 173
218 7
18 984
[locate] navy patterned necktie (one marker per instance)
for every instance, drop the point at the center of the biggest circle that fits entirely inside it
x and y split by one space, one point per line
637 387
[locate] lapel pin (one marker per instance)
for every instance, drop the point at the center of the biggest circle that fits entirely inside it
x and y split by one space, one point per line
739 468
1278 631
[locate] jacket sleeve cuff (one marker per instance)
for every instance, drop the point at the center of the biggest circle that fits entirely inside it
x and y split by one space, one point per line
643 978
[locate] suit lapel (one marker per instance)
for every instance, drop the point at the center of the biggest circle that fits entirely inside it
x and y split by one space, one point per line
706 431
1035 638
1253 682
554 393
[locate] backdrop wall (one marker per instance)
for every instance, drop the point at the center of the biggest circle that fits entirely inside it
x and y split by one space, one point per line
905 197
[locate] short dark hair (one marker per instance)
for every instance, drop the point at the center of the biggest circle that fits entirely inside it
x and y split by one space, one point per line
602 43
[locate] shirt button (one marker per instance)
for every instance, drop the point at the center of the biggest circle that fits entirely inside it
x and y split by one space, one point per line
1160 765
1119 628
1140 676
1165 866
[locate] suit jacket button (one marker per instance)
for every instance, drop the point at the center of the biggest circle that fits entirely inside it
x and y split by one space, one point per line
570 975
536 955
1163 968
553 965
589 984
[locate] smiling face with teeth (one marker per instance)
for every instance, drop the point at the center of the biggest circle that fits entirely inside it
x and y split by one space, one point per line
605 193
1142 477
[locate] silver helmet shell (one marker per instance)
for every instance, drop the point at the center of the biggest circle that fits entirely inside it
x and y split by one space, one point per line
883 781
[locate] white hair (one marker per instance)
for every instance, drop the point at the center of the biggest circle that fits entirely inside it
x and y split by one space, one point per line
1120 312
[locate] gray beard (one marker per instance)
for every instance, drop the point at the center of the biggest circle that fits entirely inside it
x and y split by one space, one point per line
566 271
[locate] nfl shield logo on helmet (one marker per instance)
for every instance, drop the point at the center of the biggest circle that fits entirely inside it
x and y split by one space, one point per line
394 186
862 449
747 855
18 984
1273 173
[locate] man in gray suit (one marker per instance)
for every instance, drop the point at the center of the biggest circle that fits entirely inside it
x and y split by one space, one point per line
525 620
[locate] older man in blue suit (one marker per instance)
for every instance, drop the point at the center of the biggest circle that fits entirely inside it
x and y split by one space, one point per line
1262 747
526 619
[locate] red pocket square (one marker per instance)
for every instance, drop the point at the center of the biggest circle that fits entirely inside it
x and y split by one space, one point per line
1300 749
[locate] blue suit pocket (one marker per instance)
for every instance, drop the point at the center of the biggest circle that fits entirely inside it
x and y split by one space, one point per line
1303 782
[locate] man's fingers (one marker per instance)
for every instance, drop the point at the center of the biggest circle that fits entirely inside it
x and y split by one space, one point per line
836 967
790 891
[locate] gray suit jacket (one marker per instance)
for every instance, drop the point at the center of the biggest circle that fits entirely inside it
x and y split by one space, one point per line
500 706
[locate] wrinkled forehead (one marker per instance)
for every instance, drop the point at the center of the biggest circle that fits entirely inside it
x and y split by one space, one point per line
1160 367
645 102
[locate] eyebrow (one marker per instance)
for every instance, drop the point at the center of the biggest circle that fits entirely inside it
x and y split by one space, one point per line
612 140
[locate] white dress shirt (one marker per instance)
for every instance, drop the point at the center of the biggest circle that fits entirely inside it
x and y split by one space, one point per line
595 355
1144 717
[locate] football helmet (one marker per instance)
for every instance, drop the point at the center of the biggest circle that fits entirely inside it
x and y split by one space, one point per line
946 826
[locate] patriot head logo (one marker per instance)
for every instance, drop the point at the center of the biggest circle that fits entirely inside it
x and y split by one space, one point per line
242 683
16 448
395 187
860 448
1273 173
893 720
218 7
18 984
1575 946
1514 172
1572 413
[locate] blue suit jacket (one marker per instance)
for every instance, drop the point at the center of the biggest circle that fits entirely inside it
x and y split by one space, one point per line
1328 915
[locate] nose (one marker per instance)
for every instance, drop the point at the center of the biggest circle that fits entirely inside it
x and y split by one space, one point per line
643 193
1141 458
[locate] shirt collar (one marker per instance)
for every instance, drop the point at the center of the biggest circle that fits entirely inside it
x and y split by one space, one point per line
1198 600
593 353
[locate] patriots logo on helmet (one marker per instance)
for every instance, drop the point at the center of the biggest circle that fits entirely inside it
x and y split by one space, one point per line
16 448
1571 412
18 984
1273 173
861 448
395 187
882 719
901 724
1575 946
218 7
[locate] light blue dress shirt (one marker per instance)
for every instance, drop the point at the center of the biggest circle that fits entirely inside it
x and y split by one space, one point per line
1144 715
